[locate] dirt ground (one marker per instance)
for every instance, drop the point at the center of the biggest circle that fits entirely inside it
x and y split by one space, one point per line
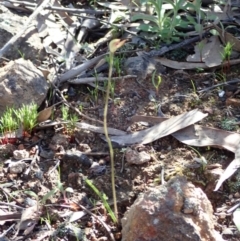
177 93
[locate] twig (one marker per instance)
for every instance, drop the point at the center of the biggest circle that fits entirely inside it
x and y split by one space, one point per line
4 49
4 233
79 69
217 85
93 79
69 105
165 49
11 205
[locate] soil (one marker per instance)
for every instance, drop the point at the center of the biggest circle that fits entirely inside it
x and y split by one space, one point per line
62 177
175 95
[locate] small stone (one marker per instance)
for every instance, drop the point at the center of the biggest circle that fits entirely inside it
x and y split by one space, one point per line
237 195
17 167
20 154
135 157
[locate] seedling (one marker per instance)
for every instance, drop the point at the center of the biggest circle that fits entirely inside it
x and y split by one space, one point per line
227 51
27 116
201 158
71 119
156 81
104 199
94 92
8 122
194 87
65 110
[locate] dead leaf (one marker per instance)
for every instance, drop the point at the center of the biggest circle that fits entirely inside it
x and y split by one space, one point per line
29 219
231 169
208 51
233 102
44 115
160 130
189 65
196 135
228 38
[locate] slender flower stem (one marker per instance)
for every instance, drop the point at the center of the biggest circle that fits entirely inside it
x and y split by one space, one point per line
107 136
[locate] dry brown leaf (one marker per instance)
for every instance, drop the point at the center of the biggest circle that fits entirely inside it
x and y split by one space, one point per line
196 135
160 130
228 38
44 115
233 102
208 51
188 65
231 169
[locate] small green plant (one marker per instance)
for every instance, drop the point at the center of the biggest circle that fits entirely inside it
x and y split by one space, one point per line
21 54
71 119
27 116
156 81
201 159
94 92
164 22
228 124
8 122
104 199
194 87
65 110
227 51
200 46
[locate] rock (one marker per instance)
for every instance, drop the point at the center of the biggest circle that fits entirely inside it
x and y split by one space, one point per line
143 67
135 157
74 156
28 45
171 212
59 140
16 167
21 83
20 154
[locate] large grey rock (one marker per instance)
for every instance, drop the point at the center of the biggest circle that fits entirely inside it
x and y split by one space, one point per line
21 83
171 212
28 45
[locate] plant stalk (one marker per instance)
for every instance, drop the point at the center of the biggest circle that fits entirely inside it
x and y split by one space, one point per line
111 55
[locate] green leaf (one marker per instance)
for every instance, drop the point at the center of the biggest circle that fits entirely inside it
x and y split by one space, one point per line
32 194
48 195
142 16
148 28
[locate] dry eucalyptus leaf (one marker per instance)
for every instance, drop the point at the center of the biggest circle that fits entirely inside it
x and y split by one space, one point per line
208 51
228 38
196 135
160 130
190 65
44 115
231 169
